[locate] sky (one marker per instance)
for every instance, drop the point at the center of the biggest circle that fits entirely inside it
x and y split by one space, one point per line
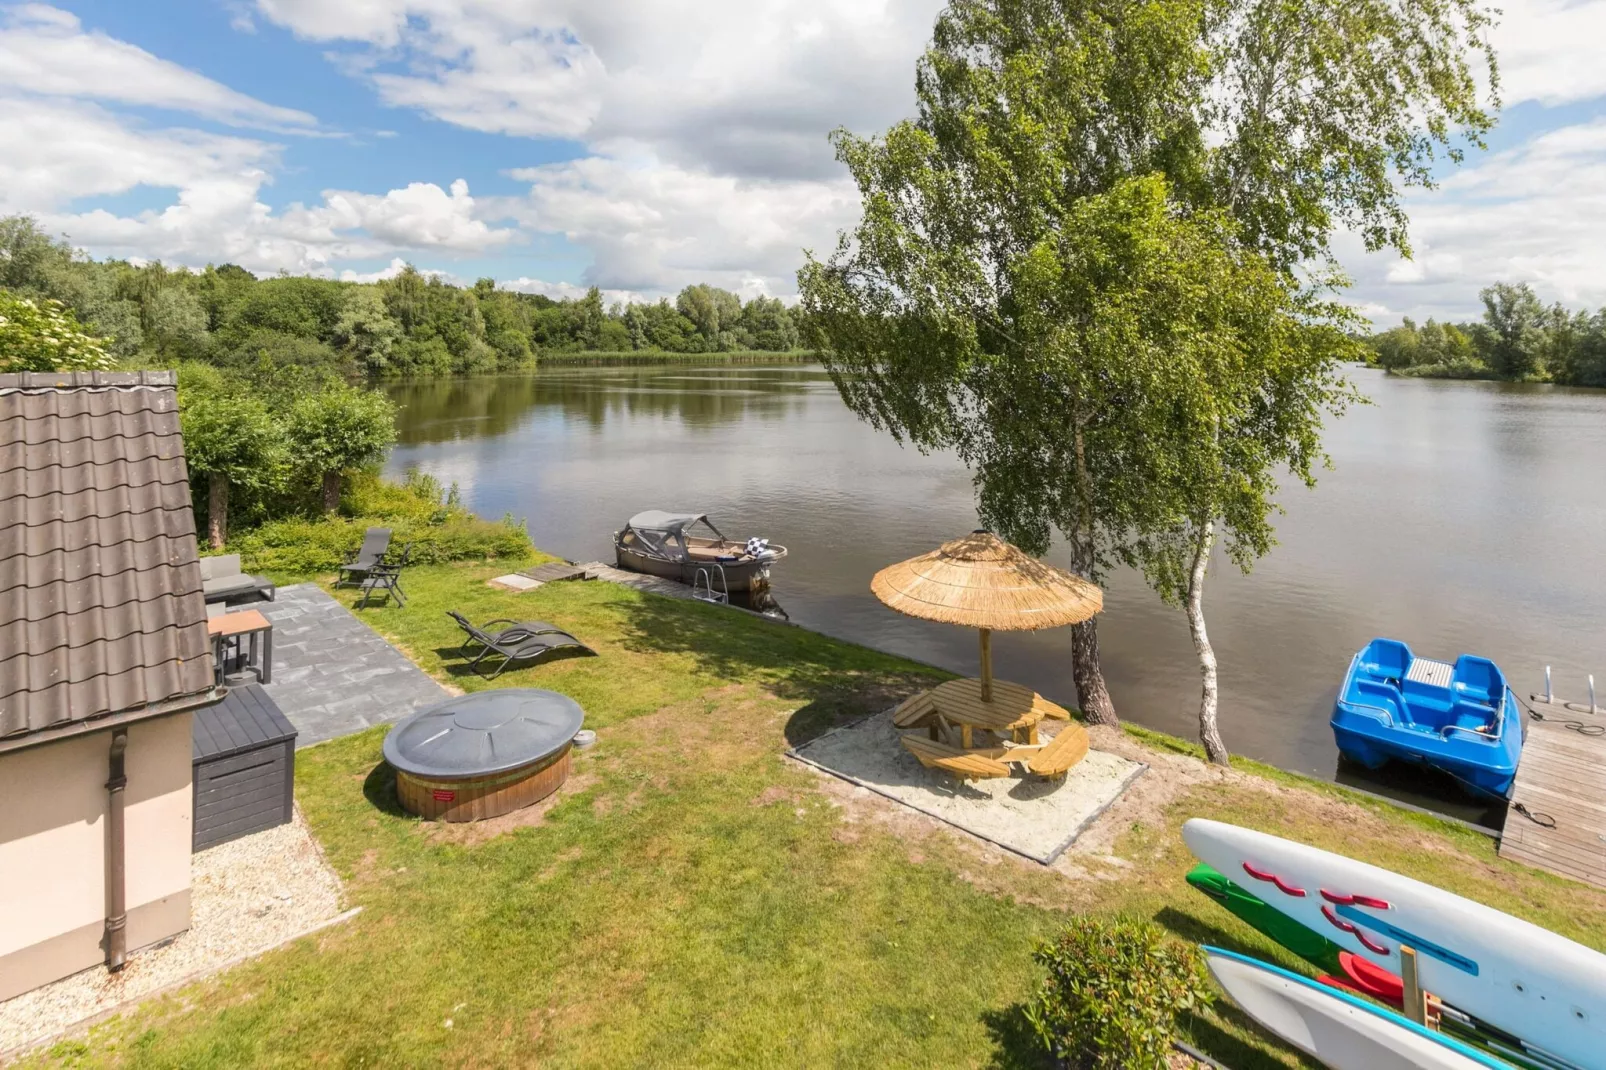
635 145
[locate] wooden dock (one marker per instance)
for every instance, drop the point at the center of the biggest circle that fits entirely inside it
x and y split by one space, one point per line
1557 818
560 571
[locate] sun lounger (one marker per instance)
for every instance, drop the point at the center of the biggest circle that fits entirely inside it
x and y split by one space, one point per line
519 641
375 544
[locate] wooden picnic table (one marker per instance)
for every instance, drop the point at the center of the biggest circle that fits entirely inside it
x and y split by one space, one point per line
957 704
250 624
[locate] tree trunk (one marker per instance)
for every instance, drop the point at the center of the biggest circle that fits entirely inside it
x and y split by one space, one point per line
331 492
1091 694
217 509
1209 732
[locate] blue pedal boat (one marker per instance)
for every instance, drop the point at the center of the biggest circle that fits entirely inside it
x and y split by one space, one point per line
1459 718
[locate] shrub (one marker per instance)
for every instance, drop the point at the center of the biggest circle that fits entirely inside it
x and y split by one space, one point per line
417 510
1114 992
302 547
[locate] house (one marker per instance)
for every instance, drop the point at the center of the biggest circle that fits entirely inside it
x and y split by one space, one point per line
104 656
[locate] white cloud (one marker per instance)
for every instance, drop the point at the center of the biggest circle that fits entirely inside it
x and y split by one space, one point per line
568 291
654 226
45 50
422 216
390 271
745 87
1550 50
1535 213
59 151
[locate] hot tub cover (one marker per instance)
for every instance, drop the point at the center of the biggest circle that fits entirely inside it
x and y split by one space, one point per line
485 733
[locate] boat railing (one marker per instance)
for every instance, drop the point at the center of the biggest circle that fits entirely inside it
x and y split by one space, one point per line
1388 715
702 584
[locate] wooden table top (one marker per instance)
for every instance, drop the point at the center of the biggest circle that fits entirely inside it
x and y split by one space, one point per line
1012 705
249 620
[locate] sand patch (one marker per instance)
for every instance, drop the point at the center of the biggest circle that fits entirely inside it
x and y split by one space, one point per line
1033 817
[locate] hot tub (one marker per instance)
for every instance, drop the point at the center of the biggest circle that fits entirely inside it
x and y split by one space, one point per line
483 755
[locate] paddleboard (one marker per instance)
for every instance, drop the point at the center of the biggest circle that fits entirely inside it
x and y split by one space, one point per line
1341 1030
1313 947
1514 975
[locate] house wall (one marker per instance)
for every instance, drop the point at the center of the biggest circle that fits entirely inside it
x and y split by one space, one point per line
54 854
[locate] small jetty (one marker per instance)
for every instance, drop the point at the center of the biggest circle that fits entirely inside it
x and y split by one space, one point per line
1557 817
560 571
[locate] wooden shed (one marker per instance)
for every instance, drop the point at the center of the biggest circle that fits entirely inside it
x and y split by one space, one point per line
245 763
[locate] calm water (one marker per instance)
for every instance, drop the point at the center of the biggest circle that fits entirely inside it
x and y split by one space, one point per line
1458 517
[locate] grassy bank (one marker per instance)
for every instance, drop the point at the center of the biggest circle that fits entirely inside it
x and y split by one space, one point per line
693 898
746 356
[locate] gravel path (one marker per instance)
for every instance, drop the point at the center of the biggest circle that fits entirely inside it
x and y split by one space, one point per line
247 896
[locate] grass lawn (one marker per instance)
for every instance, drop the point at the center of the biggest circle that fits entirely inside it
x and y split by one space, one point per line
692 898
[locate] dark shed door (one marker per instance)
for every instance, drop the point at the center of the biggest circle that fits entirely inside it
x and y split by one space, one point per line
244 754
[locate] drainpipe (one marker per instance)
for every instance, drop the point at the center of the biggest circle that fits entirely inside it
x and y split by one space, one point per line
116 907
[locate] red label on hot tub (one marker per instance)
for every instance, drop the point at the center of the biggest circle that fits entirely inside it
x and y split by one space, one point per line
441 795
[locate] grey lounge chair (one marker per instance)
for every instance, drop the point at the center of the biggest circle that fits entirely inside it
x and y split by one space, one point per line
375 543
222 581
521 641
385 575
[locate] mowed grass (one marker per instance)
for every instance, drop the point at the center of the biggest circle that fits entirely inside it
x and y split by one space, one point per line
692 898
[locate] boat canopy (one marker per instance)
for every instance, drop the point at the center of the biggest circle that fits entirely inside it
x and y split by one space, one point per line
663 535
670 523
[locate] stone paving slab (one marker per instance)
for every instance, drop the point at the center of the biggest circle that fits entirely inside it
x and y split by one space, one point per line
334 675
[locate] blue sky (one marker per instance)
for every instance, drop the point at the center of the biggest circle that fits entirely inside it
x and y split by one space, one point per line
635 144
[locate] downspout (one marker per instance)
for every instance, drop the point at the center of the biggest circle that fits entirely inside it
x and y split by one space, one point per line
116 905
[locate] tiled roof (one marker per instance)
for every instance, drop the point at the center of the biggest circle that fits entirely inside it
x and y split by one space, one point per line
101 609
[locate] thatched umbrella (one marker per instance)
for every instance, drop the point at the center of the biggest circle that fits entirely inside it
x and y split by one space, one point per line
983 582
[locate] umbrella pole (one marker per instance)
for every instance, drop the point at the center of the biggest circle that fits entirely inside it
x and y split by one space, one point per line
986 664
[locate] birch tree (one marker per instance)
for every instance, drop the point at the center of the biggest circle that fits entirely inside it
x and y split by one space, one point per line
1271 123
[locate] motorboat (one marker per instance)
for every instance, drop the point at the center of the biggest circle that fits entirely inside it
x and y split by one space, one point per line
687 547
1460 718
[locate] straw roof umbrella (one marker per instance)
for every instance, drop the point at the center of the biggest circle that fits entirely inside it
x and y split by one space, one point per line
983 582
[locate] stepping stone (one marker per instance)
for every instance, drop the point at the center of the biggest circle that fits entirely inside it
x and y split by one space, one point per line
514 582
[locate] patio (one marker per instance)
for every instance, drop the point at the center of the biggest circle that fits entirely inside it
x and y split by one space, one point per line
332 674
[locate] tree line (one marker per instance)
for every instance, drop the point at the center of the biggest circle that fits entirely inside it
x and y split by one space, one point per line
1519 339
412 324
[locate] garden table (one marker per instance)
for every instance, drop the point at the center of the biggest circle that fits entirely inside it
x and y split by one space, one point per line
250 624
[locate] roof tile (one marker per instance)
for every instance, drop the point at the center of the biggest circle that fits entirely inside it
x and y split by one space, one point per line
101 608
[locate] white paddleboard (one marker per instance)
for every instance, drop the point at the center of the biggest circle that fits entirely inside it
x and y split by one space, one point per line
1344 1032
1514 975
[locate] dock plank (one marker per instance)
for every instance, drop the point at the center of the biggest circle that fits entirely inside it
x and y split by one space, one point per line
1562 776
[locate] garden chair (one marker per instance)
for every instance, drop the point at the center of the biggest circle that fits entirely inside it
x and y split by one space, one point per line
385 576
521 641
375 544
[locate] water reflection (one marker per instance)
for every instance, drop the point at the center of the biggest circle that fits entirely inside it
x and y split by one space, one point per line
450 409
1459 517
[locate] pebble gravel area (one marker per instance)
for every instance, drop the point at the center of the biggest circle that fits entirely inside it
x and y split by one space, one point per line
247 896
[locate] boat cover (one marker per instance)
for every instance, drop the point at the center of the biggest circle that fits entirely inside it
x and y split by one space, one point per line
658 520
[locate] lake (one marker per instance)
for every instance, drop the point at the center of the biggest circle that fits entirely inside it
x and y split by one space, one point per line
1459 517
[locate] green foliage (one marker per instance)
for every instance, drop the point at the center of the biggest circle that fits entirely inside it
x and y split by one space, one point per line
1114 992
366 332
339 427
43 335
234 434
1519 338
292 305
412 325
417 510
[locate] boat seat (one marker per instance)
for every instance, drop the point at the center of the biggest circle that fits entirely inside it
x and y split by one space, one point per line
1387 659
1478 679
1386 696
